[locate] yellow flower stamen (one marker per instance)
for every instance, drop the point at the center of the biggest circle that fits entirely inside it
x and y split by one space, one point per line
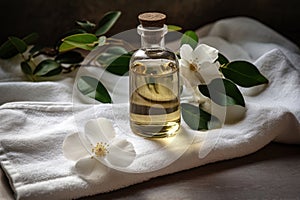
193 67
101 149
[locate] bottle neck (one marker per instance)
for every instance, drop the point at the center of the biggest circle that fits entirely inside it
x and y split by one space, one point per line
152 37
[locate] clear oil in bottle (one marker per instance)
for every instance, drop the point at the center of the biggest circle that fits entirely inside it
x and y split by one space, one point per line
154 86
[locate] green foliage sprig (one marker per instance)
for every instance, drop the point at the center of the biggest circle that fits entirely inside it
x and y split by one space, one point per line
222 91
65 58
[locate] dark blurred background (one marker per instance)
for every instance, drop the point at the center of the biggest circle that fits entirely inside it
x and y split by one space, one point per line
53 18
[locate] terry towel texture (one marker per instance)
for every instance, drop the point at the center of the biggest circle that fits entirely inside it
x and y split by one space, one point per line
32 132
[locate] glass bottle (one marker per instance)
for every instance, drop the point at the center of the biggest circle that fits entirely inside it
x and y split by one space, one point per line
154 82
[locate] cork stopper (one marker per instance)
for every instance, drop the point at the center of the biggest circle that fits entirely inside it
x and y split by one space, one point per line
152 19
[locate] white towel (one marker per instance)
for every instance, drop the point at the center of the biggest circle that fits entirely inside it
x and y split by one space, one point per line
31 133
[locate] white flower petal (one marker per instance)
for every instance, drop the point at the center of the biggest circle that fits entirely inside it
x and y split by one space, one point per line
73 148
184 64
99 130
186 53
209 71
204 53
121 153
190 78
209 65
90 168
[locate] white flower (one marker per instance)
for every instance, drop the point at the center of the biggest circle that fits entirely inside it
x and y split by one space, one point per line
102 150
198 66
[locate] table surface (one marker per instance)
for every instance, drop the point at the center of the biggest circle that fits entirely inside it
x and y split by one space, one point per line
271 173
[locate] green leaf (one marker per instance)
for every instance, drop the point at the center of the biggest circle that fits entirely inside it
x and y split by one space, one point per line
8 50
174 28
31 38
69 57
119 65
243 74
223 92
19 44
47 68
116 60
54 72
191 38
26 69
94 89
71 32
74 32
35 49
86 25
12 47
198 119
222 59
85 41
116 50
107 21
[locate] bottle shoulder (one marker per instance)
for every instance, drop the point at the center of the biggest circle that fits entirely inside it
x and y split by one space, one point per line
141 54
